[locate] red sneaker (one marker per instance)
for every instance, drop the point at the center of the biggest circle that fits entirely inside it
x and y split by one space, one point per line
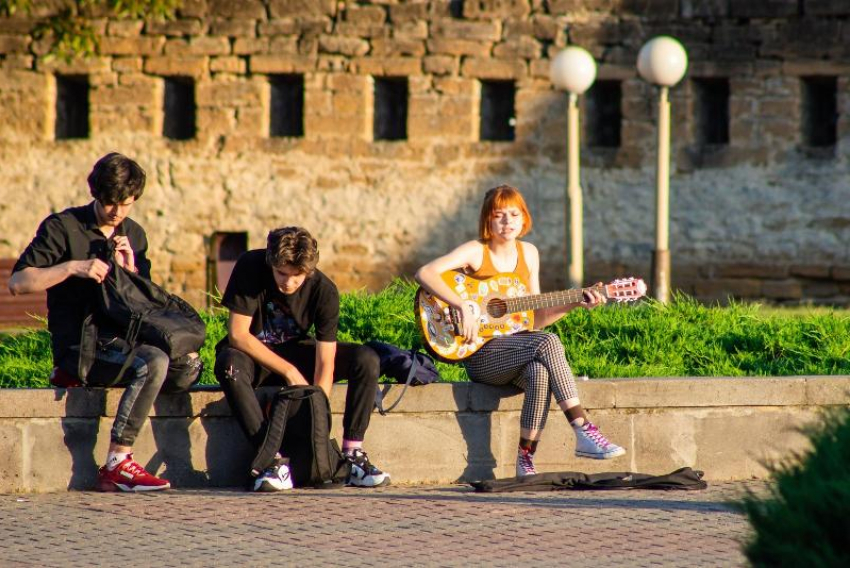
129 476
61 379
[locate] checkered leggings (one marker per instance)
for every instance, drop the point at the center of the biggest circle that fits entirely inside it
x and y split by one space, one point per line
535 362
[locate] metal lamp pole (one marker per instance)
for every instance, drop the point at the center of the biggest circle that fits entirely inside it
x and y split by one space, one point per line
663 62
574 70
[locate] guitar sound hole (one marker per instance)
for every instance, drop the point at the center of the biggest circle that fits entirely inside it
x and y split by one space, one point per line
497 308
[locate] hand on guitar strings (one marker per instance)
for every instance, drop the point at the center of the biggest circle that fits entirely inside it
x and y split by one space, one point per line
468 323
592 296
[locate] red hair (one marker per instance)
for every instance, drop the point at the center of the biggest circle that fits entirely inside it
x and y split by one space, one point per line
502 197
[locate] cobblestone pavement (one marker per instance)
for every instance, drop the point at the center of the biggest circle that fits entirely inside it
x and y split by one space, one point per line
393 526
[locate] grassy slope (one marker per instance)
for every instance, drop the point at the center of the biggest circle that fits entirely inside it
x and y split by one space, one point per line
684 338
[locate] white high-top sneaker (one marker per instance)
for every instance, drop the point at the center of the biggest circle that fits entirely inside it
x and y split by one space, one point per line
590 443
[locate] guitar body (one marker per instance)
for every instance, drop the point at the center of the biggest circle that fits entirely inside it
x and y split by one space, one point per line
437 320
502 306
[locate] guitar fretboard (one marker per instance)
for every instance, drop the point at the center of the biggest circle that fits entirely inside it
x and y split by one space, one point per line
549 300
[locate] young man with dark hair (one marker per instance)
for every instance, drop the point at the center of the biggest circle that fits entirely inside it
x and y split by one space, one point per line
69 258
275 296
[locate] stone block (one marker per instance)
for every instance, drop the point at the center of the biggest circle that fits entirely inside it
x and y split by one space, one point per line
295 8
809 271
372 15
13 478
281 64
481 68
12 61
782 289
752 271
387 66
405 13
238 93
123 95
134 46
207 45
244 9
441 65
127 64
710 391
441 126
234 28
820 289
250 45
521 47
177 27
827 391
382 47
80 66
65 456
442 46
724 454
13 44
230 64
279 26
343 45
410 30
463 29
195 67
496 9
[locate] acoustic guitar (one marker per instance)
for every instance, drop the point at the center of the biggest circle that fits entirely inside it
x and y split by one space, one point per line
501 305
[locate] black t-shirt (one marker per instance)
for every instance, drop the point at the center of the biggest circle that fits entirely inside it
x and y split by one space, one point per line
73 234
278 317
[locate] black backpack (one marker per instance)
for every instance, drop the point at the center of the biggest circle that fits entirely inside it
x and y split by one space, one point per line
145 313
299 424
409 367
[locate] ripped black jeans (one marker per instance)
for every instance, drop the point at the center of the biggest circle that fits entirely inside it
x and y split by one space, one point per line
150 372
239 375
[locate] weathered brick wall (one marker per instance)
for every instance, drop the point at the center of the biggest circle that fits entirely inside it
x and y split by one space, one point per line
761 217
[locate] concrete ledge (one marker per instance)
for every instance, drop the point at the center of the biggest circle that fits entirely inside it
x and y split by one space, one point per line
729 427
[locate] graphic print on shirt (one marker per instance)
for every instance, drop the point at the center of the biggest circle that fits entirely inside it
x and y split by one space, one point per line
278 324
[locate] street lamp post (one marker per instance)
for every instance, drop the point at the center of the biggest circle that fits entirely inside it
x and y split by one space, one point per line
574 70
662 61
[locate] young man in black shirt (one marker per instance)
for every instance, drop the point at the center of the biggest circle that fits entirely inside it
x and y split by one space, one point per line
68 258
275 296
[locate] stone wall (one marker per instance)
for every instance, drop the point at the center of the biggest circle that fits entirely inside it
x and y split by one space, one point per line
763 216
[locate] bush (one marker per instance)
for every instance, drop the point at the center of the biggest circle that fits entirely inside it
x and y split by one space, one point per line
804 520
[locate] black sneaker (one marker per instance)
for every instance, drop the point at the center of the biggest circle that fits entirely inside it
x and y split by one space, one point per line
274 478
363 473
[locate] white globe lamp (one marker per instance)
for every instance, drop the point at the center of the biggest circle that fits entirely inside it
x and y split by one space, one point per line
662 61
573 70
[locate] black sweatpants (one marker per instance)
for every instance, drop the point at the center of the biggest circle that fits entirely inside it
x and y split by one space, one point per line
239 375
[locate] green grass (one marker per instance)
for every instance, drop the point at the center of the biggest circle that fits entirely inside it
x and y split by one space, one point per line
684 338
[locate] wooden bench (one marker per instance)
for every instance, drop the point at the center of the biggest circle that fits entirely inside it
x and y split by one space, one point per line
15 310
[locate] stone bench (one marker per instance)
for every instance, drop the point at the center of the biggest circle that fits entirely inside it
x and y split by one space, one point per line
54 439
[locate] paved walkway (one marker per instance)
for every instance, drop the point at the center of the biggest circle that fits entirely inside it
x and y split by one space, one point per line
393 526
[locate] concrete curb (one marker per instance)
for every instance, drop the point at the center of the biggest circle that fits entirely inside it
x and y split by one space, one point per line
53 439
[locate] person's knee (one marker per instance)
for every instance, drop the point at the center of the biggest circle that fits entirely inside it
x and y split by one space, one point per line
154 364
183 373
366 364
231 364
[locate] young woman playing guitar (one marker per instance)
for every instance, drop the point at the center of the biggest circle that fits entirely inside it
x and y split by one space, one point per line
532 360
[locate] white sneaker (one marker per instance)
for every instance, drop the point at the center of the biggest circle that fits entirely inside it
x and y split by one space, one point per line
525 463
590 443
363 473
274 478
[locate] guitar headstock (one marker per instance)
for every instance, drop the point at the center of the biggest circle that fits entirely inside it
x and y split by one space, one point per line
625 289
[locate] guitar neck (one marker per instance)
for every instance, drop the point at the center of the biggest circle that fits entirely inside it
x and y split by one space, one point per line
550 299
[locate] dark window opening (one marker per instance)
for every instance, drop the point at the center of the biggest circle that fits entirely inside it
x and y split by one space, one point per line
390 120
72 107
820 111
456 8
225 249
604 114
287 105
497 110
712 111
179 105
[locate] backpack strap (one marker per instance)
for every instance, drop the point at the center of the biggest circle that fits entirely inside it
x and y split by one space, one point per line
276 424
379 396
